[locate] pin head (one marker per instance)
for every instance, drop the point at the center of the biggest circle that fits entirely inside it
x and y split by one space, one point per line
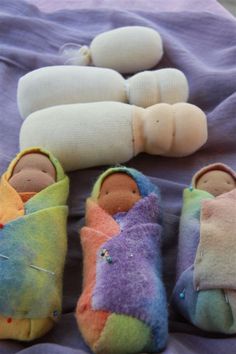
109 259
55 313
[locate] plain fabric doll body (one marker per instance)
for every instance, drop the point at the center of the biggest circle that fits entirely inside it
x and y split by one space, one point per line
101 133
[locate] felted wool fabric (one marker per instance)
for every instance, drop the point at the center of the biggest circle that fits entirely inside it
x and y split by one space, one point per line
56 85
205 292
105 133
123 306
126 49
33 244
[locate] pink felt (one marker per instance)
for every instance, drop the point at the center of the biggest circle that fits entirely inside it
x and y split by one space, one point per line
100 227
215 264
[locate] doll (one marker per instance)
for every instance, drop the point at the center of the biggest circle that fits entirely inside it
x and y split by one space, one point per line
123 304
57 85
33 244
84 135
205 289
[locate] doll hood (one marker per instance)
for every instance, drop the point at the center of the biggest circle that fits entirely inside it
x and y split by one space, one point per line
59 170
215 166
145 186
11 204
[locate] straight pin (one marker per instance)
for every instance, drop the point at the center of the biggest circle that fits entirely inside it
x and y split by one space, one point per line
41 269
32 266
5 257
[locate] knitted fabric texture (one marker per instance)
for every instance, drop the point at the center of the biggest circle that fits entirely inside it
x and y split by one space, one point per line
122 49
206 263
39 89
124 285
108 133
33 245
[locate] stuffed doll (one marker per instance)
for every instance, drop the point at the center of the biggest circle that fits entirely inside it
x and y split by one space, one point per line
205 293
57 85
90 134
125 49
123 306
33 244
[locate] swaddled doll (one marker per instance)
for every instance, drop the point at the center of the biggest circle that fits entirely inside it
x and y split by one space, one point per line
122 308
206 280
33 244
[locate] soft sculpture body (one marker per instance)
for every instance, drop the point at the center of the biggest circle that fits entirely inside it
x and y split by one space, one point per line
57 85
86 135
126 49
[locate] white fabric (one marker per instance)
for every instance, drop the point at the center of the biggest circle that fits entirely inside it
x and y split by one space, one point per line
127 49
82 135
54 85
89 134
151 87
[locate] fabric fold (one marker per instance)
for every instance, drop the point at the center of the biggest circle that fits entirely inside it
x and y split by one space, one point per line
33 246
205 290
122 283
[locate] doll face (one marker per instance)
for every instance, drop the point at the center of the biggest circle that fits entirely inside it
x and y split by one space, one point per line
119 192
216 182
32 173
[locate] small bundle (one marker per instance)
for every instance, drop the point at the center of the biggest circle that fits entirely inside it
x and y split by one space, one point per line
123 307
205 292
33 244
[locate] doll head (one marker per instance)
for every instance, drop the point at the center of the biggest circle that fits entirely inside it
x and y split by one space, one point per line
118 188
216 182
118 193
32 173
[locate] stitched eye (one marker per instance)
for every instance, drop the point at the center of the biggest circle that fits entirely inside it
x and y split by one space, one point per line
44 171
205 181
107 192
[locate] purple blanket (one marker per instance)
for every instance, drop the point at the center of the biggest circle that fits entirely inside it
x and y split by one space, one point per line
202 44
135 281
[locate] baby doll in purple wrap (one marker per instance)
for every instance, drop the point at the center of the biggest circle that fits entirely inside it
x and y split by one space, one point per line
205 292
123 307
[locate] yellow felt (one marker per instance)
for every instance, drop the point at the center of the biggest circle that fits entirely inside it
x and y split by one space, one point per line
25 329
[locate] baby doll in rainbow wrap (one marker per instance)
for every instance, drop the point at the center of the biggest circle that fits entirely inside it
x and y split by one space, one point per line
205 292
123 307
33 244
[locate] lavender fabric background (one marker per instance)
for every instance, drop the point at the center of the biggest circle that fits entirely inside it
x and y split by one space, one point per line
199 39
